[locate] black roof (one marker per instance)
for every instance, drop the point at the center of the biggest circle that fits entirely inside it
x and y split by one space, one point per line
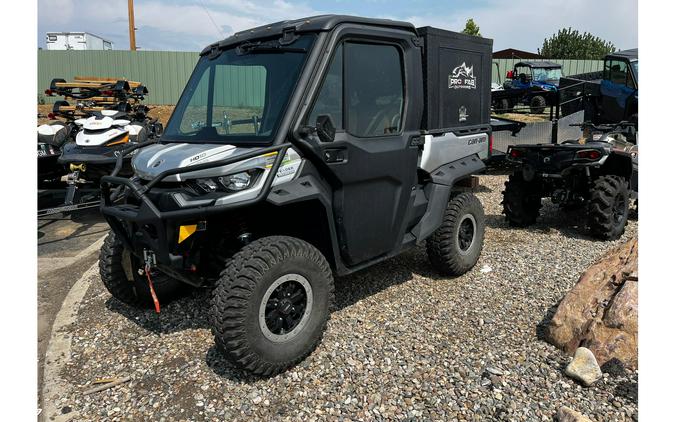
310 24
545 65
631 54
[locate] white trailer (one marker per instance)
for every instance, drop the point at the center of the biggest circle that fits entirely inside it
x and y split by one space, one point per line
76 41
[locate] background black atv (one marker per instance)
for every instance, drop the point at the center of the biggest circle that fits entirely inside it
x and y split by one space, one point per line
599 171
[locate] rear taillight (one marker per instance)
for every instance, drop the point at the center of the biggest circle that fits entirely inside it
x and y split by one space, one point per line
490 141
49 92
516 153
51 116
589 154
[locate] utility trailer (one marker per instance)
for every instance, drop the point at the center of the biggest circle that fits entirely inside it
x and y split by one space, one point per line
369 132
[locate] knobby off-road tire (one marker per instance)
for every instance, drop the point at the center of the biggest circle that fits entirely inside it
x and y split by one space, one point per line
127 285
503 106
250 300
454 248
522 201
608 207
537 104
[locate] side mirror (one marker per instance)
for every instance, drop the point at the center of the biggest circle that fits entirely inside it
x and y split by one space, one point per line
325 129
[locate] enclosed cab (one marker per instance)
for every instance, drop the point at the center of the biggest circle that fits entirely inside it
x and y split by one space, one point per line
352 140
607 96
619 87
544 75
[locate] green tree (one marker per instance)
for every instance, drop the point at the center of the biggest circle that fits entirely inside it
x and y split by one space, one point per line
571 44
471 28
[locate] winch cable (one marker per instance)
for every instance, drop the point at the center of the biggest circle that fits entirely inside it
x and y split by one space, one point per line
152 288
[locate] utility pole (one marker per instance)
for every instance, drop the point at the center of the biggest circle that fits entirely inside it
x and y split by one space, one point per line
132 27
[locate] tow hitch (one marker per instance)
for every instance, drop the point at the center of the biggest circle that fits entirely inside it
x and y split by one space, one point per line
150 262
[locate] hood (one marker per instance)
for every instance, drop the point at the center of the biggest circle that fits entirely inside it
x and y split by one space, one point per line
150 161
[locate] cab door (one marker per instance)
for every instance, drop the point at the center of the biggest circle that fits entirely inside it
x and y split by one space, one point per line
372 160
616 87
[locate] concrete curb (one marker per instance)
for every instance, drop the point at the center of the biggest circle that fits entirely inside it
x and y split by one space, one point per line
57 354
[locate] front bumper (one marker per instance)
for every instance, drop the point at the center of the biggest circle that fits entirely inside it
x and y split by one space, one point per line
144 227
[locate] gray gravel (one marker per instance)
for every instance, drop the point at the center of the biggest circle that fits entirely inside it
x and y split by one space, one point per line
402 344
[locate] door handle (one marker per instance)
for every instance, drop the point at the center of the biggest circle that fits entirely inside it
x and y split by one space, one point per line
334 155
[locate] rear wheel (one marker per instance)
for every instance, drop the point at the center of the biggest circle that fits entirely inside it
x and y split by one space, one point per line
608 207
454 248
503 106
122 275
272 303
537 104
522 201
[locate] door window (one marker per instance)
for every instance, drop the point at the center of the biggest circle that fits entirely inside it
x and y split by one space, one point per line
329 101
616 71
363 90
373 89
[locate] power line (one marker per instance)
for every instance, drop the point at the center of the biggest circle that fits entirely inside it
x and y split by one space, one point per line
211 18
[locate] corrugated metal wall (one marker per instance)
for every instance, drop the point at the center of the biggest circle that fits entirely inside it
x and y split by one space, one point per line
166 72
163 72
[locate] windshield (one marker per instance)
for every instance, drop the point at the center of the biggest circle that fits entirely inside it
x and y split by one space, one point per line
239 96
546 75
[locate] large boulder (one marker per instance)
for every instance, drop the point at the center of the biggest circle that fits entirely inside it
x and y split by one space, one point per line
600 312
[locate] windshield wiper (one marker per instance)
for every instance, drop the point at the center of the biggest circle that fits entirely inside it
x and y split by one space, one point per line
267 47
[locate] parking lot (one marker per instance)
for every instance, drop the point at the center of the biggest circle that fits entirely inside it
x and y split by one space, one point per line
403 343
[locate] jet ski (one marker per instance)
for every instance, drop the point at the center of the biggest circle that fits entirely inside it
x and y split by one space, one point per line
97 145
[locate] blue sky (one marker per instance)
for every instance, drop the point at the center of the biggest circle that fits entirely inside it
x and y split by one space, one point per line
185 24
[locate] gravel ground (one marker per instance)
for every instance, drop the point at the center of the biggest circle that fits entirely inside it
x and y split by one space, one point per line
402 344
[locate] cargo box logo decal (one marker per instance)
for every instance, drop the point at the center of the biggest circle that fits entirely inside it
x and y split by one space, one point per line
462 77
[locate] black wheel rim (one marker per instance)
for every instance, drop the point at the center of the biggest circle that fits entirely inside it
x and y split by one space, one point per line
466 234
285 307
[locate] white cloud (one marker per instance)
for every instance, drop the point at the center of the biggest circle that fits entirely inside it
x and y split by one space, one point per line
169 25
524 24
172 25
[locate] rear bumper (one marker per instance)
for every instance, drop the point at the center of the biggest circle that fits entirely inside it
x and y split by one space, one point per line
553 161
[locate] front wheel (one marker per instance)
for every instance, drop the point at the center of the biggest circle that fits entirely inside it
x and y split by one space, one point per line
608 207
272 303
122 275
537 104
454 248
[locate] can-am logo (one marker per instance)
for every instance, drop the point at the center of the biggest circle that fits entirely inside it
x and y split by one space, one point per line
462 77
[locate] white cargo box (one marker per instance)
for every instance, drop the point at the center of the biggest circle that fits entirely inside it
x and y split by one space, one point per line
76 41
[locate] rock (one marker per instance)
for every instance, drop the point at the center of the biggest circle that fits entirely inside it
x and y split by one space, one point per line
600 312
494 371
584 367
565 414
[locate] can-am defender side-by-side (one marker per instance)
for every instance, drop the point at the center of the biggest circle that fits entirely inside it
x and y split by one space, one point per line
349 149
598 173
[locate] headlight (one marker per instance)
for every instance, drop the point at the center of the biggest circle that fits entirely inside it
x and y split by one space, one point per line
236 182
231 183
